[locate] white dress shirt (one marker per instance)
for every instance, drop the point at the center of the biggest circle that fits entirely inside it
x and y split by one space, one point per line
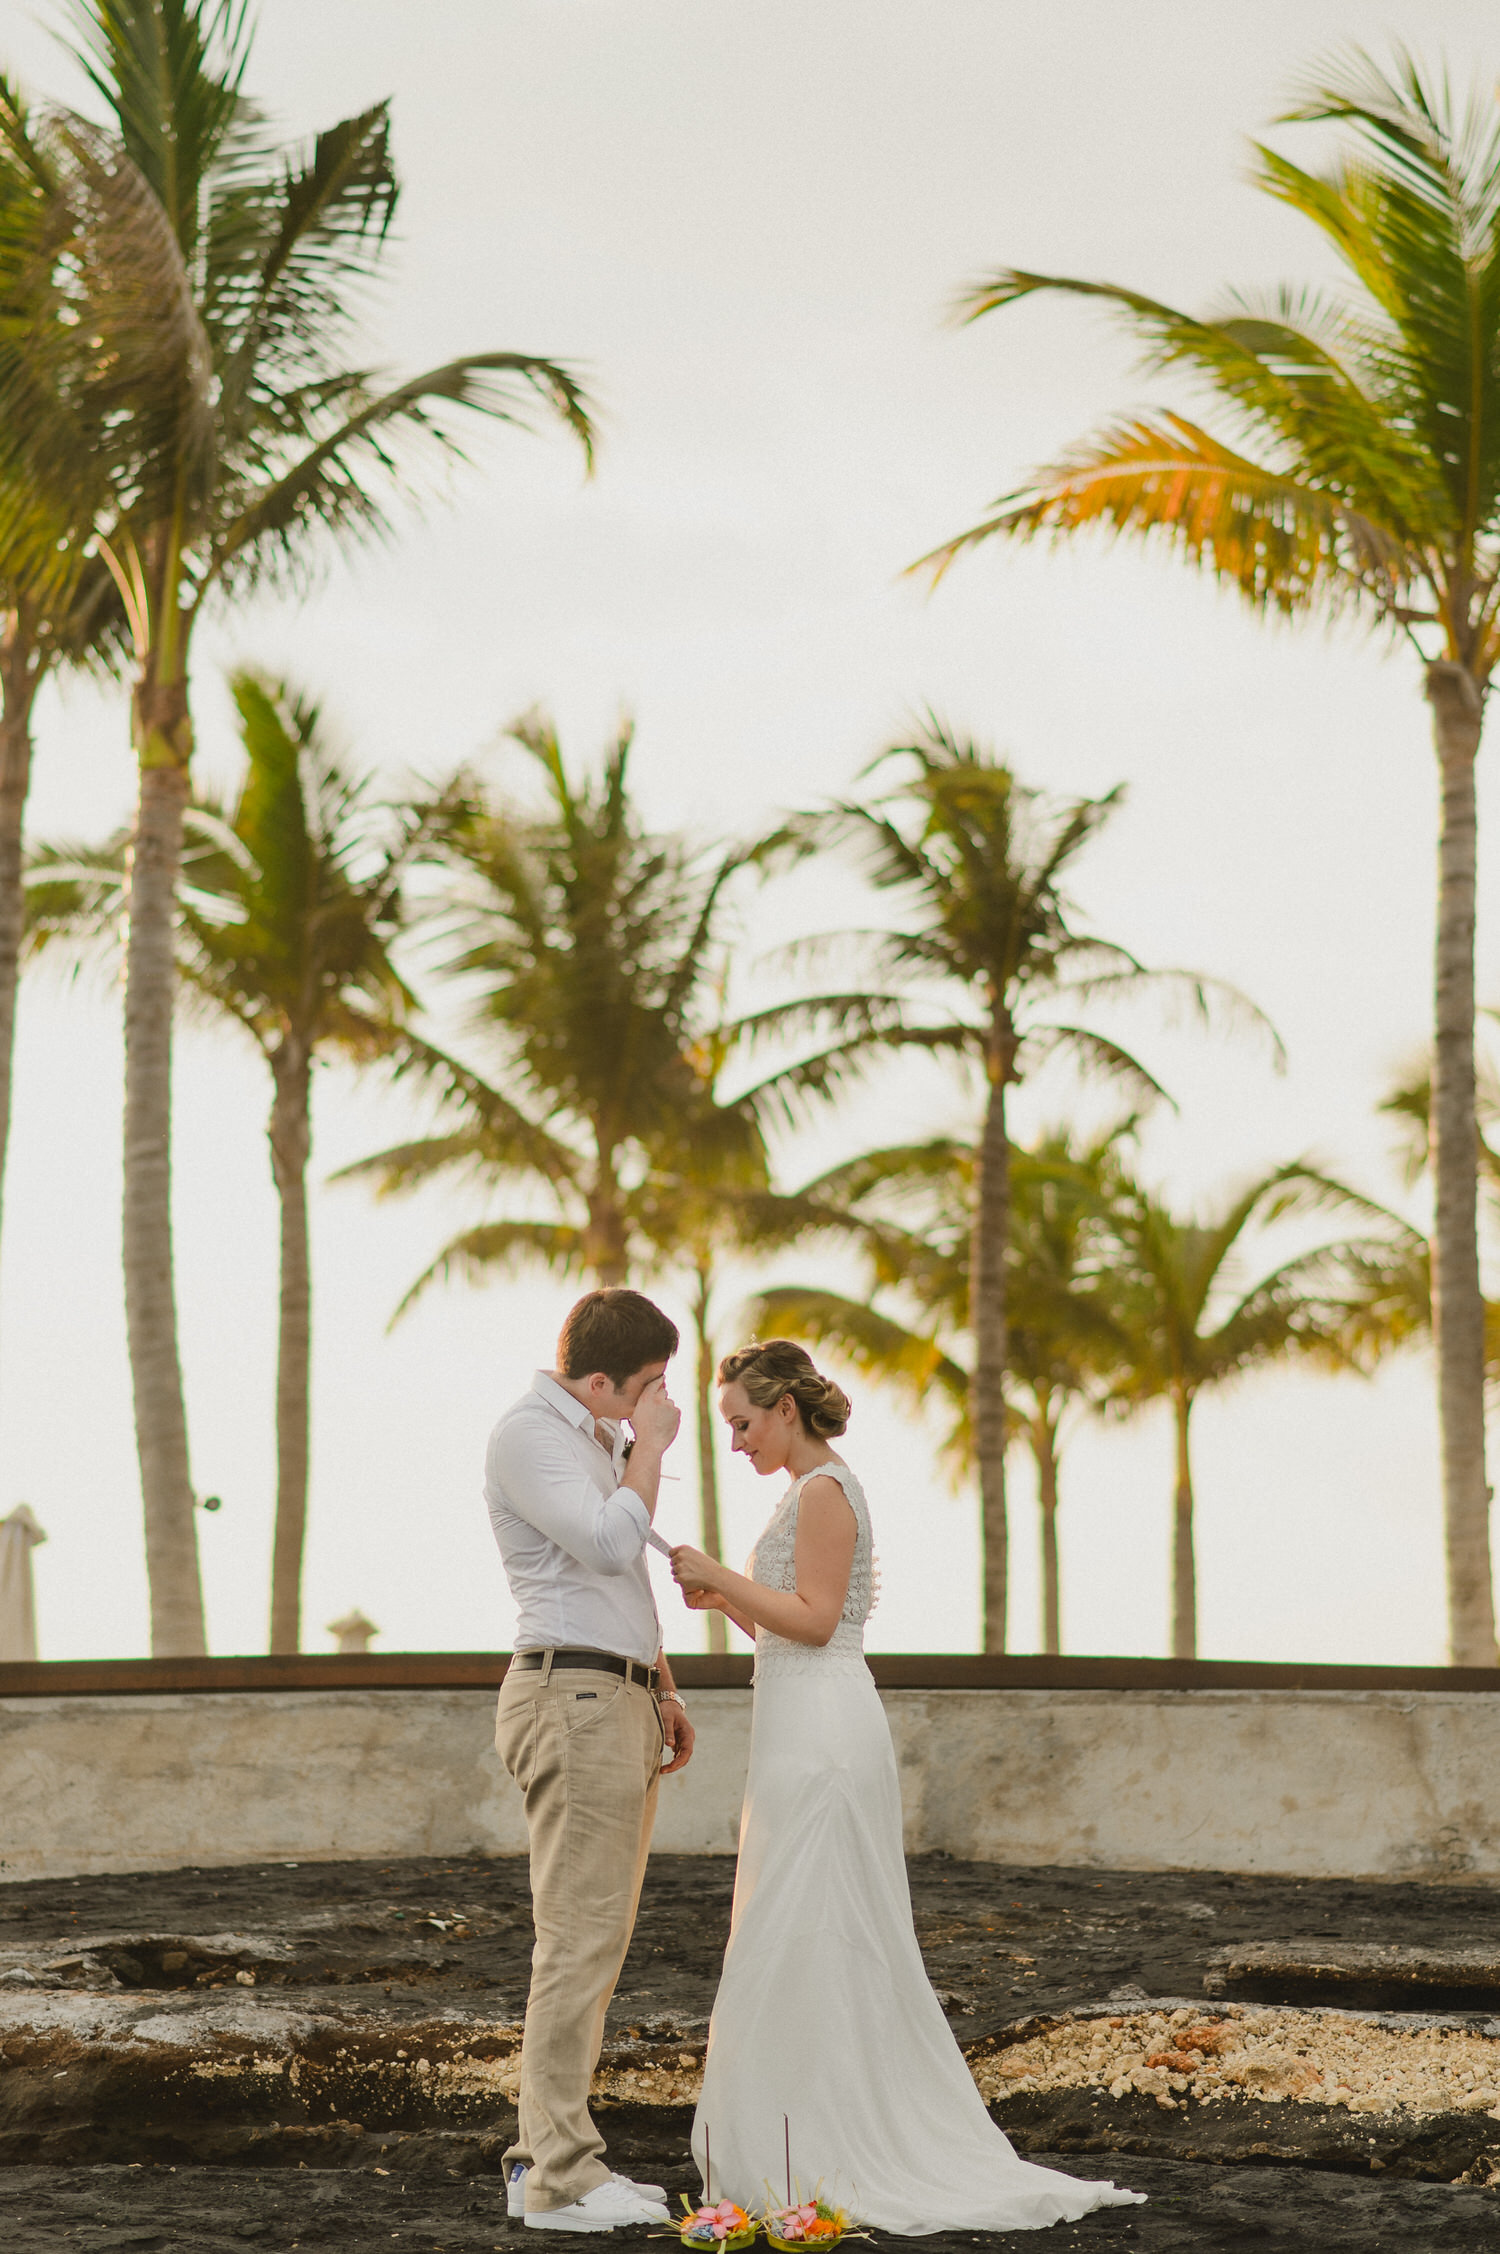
572 1539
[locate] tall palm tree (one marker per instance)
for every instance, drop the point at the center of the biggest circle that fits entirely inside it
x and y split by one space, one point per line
910 1209
72 622
58 605
1186 1324
593 947
293 902
1066 1338
202 318
1362 477
587 946
994 971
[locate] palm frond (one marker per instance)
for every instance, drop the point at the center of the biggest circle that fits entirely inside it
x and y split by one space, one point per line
1285 544
1097 1053
285 261
814 1014
72 900
505 1135
328 483
105 367
914 1366
902 1170
795 1090
872 1342
1296 1188
171 74
498 1248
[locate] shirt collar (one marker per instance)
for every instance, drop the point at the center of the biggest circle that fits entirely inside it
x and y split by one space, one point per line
567 1404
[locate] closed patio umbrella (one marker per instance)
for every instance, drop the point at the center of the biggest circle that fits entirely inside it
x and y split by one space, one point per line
353 1631
19 1536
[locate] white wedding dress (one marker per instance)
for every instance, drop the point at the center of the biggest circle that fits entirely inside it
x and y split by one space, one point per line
825 2025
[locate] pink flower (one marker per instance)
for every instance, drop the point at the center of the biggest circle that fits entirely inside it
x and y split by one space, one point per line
792 2222
721 2222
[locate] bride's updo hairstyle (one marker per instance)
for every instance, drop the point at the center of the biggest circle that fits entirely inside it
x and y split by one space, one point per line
770 1370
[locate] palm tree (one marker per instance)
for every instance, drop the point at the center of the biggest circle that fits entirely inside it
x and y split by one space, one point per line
58 605
1172 1276
587 945
594 948
976 863
44 628
1062 1339
1363 478
286 924
1066 1338
200 312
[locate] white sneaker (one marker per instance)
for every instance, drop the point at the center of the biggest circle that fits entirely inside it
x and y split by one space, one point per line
515 2189
656 2193
609 2206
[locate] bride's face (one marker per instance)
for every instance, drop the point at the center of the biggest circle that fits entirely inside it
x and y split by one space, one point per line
763 1436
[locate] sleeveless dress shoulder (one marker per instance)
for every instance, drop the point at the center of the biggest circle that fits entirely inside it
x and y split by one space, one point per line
826 2032
773 1563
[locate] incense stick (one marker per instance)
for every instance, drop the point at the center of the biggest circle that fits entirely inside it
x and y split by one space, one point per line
786 2124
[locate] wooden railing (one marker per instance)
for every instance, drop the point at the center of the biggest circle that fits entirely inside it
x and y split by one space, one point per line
893 1670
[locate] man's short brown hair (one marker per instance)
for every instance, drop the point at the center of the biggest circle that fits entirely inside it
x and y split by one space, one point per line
615 1331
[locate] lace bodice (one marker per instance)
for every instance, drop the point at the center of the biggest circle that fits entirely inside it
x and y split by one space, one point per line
773 1563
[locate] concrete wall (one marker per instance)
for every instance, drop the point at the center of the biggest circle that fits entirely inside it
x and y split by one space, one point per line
1311 1783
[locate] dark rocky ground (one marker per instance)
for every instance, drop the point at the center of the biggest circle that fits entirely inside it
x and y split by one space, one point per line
383 1950
1192 2210
1000 1942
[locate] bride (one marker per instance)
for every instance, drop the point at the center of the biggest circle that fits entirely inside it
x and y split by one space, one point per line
825 2029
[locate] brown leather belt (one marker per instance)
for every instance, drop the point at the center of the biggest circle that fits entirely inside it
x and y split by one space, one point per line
605 1662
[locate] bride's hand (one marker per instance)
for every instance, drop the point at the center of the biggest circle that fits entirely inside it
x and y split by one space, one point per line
701 1600
693 1571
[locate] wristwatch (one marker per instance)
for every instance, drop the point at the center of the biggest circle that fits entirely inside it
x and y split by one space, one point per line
670 1698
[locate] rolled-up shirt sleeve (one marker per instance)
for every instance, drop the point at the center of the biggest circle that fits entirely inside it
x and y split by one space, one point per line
538 1477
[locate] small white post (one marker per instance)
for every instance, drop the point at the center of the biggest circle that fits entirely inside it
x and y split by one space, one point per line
353 1632
19 1536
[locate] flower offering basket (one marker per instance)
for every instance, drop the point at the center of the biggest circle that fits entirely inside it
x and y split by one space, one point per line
718 2229
804 2226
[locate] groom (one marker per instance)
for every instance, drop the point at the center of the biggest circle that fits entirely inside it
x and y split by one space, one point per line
587 1721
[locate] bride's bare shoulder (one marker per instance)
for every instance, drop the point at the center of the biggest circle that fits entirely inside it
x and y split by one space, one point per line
823 1490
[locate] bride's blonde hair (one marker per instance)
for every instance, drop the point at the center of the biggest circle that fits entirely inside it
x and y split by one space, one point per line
772 1368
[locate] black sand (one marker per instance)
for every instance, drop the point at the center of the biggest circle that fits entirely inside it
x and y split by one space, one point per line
410 1944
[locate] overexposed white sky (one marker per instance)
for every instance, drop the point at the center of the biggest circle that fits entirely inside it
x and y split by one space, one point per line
745 221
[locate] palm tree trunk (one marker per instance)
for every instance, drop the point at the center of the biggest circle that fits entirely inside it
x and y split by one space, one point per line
1184 1564
20 677
1043 1437
988 1247
291 1144
606 1241
150 1298
163 739
708 1470
1457 1300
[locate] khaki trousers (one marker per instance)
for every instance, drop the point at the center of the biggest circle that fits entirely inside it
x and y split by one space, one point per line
585 1748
